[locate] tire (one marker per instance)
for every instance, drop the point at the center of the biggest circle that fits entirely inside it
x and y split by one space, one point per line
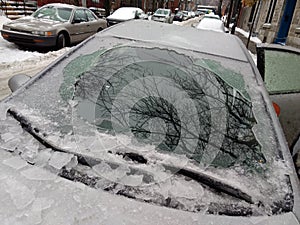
61 41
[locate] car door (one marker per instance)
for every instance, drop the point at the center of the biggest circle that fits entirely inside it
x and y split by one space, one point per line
279 67
80 29
93 22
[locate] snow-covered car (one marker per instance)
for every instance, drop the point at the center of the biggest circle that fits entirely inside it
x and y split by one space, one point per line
279 67
141 124
163 15
187 15
125 14
212 22
53 25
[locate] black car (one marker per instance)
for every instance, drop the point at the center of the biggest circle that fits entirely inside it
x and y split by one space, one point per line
141 124
178 17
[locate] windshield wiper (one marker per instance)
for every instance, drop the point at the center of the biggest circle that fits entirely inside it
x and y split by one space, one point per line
201 177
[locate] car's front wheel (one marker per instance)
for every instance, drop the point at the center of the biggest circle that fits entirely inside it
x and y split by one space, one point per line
61 41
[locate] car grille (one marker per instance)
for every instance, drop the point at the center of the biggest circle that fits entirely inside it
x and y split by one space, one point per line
21 31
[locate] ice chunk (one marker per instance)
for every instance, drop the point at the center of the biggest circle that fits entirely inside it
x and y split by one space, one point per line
104 170
60 159
11 145
20 194
72 163
7 136
37 173
186 189
41 204
132 180
29 155
33 217
43 157
15 162
16 130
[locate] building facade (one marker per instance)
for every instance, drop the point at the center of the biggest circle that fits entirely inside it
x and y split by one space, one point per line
274 21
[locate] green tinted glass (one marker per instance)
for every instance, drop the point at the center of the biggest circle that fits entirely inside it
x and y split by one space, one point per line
282 71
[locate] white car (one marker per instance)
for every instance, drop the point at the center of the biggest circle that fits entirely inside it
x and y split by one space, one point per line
162 15
213 23
124 14
146 123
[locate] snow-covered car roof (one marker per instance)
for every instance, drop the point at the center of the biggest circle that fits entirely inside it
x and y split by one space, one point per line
67 153
189 39
62 5
124 13
211 23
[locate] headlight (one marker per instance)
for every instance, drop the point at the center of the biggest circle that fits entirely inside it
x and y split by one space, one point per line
5 27
42 33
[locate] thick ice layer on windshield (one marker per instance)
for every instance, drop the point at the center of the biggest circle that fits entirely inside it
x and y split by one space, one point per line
116 110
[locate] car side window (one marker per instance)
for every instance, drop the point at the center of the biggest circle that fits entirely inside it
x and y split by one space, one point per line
90 16
80 16
282 71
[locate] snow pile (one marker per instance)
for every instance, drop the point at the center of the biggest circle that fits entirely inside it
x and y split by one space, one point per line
246 34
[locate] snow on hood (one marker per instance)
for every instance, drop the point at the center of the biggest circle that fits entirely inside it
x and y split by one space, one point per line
31 195
29 23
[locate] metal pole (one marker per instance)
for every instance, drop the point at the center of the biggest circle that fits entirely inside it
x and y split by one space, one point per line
229 14
252 24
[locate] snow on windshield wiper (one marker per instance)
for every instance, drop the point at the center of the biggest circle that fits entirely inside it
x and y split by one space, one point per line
198 176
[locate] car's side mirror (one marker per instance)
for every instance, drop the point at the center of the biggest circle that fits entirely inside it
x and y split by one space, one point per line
17 81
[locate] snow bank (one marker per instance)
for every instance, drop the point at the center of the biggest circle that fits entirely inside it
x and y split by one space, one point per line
246 34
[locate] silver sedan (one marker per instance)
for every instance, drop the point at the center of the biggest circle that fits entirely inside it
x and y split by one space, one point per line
53 25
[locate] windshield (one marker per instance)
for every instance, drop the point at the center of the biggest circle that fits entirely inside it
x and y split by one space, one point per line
169 106
161 11
154 119
53 13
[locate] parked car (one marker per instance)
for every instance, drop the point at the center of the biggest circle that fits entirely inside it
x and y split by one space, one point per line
193 14
124 14
279 67
211 22
179 16
100 12
129 127
53 25
162 15
187 15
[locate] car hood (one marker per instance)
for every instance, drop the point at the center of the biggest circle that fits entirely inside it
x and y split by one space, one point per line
29 23
31 195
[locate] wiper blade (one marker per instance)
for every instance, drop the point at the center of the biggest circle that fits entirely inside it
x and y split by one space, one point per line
212 182
200 177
